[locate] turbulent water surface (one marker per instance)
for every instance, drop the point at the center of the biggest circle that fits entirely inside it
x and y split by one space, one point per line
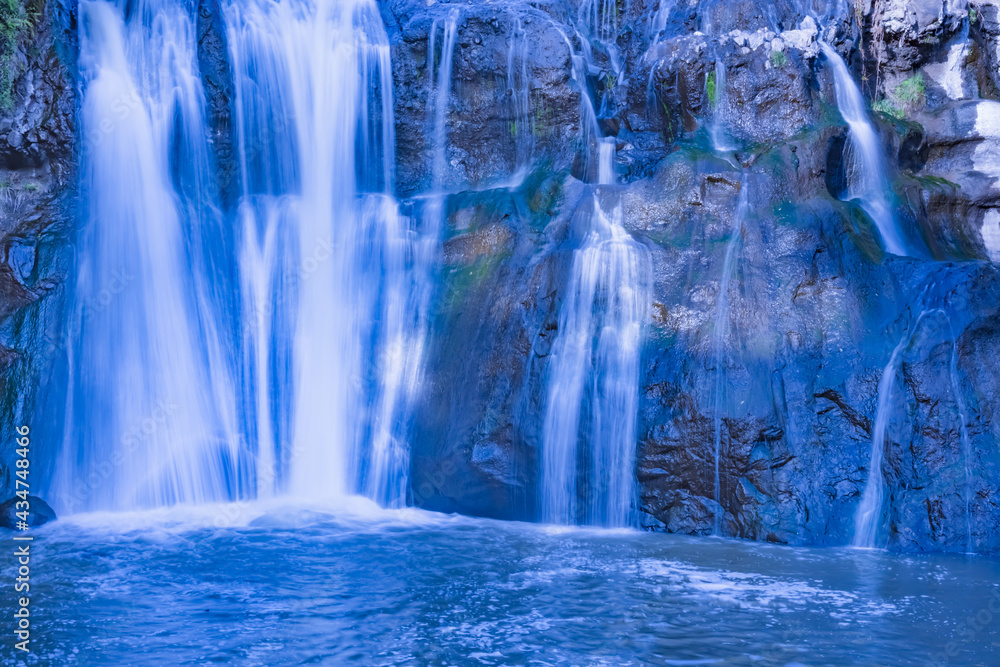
282 585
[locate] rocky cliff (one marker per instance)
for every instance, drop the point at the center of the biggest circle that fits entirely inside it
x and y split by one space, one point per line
38 178
816 309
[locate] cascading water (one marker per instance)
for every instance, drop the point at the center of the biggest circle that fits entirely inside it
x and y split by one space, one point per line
519 95
596 359
658 22
868 517
588 469
867 172
599 18
721 330
150 415
331 282
439 91
339 283
720 140
869 512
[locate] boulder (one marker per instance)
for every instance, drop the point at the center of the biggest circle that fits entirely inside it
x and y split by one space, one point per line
38 513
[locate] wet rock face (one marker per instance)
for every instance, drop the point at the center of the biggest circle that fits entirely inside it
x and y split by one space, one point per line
904 34
37 129
984 19
38 144
963 148
766 70
213 62
512 93
816 308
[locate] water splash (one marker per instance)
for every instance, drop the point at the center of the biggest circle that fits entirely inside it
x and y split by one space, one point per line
868 182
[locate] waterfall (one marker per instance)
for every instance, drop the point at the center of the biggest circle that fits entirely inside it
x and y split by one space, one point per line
596 356
720 140
868 516
150 411
518 80
321 285
722 317
440 91
868 182
588 470
600 18
337 275
658 22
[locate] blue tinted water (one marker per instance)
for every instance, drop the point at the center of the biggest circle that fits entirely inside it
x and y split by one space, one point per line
281 585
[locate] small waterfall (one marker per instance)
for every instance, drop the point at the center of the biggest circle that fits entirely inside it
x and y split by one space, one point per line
588 471
519 96
600 18
658 22
869 513
596 356
721 330
720 139
868 517
440 91
868 182
150 412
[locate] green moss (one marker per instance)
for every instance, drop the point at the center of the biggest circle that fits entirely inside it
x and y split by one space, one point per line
465 281
912 91
710 88
539 126
14 20
973 16
936 182
778 59
887 108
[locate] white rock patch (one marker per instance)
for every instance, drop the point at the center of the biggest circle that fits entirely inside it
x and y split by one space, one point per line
948 74
986 157
991 234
